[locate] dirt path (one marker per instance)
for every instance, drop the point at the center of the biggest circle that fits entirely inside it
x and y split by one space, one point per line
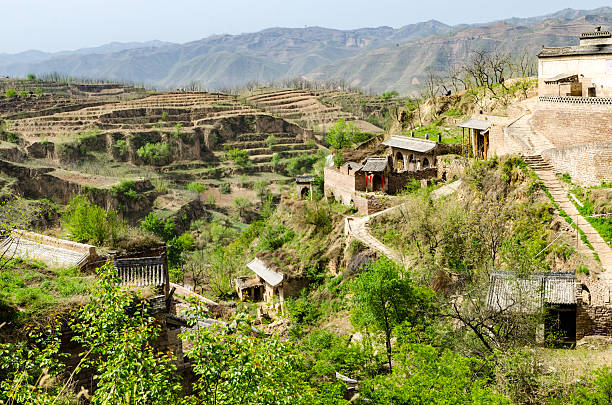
358 227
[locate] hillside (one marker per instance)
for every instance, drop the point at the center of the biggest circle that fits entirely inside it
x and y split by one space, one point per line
354 56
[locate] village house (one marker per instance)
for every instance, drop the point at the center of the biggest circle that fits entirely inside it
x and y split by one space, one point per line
569 307
584 70
303 187
477 136
268 286
410 153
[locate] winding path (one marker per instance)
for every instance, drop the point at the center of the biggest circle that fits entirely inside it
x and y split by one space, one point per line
358 227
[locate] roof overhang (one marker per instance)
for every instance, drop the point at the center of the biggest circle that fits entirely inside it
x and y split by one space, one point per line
475 123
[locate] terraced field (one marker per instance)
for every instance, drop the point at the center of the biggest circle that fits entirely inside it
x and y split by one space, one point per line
304 108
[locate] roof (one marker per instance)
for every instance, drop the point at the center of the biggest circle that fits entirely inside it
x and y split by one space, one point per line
507 292
270 276
475 123
305 179
373 164
576 50
51 251
410 143
563 77
354 166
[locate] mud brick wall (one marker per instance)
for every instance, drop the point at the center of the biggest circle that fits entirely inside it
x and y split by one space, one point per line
588 164
339 185
569 124
377 203
397 181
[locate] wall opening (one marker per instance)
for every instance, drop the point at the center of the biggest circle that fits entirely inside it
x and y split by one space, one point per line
399 161
425 163
377 182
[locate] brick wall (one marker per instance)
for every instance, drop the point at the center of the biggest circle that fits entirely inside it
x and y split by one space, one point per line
593 320
588 164
567 124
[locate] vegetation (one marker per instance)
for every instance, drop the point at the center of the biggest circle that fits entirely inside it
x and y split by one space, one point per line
343 135
156 154
240 157
89 223
125 190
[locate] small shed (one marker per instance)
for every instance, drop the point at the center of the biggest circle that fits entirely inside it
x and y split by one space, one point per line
555 292
410 153
303 185
264 285
477 136
376 171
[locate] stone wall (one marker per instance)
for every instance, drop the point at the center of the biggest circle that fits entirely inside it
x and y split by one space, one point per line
593 320
568 124
340 186
588 164
397 181
451 166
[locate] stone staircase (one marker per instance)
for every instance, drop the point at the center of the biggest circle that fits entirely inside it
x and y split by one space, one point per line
546 174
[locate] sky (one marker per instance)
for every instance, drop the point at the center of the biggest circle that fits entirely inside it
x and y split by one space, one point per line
55 25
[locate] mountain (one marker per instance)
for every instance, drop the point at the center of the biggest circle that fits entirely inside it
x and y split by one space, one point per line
379 59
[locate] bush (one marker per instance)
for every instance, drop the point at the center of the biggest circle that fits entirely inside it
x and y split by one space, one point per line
31 77
240 157
122 147
88 223
388 95
272 238
23 93
10 93
125 190
196 187
225 188
157 154
271 141
164 116
11 137
158 227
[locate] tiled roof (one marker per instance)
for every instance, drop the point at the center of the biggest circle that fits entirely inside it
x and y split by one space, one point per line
576 50
304 179
410 143
375 165
354 166
563 77
528 294
270 276
475 123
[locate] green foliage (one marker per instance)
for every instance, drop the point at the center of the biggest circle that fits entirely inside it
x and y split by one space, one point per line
274 237
427 375
125 190
582 269
156 154
385 298
225 188
234 366
319 216
38 91
271 141
88 223
164 116
11 137
344 135
338 158
597 392
23 93
158 227
388 95
240 157
301 311
196 187
242 205
28 366
116 331
10 93
176 247
211 200
31 77
122 147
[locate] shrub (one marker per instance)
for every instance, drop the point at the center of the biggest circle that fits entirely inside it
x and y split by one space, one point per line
125 190
225 188
12 137
164 116
240 157
158 227
23 93
122 147
338 159
211 200
89 223
31 77
271 141
196 187
388 95
272 238
10 93
155 153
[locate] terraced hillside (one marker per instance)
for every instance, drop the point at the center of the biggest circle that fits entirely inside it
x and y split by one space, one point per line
304 108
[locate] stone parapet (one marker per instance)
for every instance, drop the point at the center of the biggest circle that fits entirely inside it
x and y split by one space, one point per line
576 100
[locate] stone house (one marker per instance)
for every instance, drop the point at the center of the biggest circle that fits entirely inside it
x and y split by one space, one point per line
565 302
303 187
268 286
376 171
584 70
410 153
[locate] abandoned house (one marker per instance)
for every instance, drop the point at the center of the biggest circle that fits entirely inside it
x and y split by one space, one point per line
573 308
410 153
477 137
52 251
584 70
303 185
268 286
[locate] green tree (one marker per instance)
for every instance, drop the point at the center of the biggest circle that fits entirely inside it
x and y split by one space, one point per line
242 205
240 157
116 331
88 223
384 298
388 95
31 77
341 135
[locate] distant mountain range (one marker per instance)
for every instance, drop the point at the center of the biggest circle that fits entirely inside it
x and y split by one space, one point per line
378 59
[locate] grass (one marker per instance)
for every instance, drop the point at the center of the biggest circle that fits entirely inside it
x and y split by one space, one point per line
450 135
31 289
603 225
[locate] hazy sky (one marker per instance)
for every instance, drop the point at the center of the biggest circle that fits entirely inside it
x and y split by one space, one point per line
53 25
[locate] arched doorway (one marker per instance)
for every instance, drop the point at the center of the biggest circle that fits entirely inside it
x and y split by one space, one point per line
305 193
425 163
399 162
377 182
